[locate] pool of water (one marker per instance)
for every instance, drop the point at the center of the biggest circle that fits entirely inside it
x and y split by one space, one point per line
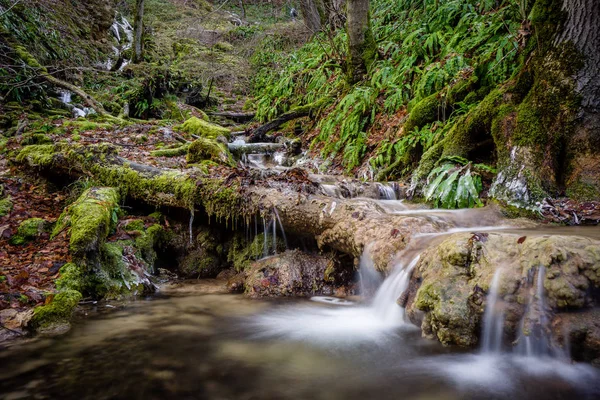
195 342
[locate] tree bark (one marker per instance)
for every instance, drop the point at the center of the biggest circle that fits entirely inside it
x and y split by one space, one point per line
311 15
582 29
361 44
138 29
259 133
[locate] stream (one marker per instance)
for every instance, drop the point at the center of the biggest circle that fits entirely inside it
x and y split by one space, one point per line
193 340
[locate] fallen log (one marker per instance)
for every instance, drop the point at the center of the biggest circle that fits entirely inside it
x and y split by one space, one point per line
259 134
237 117
254 148
346 225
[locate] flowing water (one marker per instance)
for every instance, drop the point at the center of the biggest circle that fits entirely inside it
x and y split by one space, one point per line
195 342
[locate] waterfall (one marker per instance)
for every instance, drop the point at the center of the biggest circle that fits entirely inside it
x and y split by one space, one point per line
280 227
265 245
274 234
65 96
386 191
384 303
493 319
190 226
369 279
534 340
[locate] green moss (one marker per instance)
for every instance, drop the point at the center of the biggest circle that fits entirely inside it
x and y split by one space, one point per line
204 129
424 112
91 218
474 127
223 46
59 310
28 230
37 138
146 243
6 206
175 152
206 149
580 191
242 254
71 278
41 155
136 225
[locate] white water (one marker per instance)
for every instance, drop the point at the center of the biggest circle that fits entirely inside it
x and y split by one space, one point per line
493 319
65 96
375 321
386 191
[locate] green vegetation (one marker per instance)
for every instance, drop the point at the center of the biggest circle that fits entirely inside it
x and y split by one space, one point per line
57 311
28 230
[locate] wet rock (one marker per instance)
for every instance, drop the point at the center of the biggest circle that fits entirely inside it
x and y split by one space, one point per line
292 273
454 276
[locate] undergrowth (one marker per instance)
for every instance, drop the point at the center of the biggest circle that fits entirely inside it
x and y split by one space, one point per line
457 50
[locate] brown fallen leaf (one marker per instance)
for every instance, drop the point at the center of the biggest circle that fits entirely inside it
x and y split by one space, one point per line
521 239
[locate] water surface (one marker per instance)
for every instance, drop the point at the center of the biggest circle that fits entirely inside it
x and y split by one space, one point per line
195 342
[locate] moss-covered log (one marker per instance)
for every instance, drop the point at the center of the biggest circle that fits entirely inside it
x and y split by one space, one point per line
345 225
259 134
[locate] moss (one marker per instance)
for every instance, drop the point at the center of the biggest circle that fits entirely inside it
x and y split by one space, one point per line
6 206
474 127
424 112
28 230
206 149
171 188
71 278
223 46
204 129
41 155
135 225
146 243
580 191
175 152
37 138
91 218
242 254
58 311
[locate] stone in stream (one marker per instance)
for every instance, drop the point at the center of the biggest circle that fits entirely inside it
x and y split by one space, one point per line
454 276
294 273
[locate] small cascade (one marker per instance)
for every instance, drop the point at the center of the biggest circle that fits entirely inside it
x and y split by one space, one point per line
384 303
493 319
190 226
65 96
369 278
274 224
265 244
122 32
387 191
281 227
534 340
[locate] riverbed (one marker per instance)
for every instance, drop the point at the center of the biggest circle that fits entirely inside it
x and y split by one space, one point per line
195 341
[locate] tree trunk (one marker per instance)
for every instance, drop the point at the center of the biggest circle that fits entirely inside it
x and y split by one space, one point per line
582 29
311 15
138 28
243 9
361 44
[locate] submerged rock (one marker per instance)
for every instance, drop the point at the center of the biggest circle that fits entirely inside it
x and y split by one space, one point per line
292 273
454 276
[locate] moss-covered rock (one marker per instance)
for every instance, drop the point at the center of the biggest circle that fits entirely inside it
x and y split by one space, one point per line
6 206
209 150
90 218
453 277
28 230
204 128
174 152
57 311
292 273
424 112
